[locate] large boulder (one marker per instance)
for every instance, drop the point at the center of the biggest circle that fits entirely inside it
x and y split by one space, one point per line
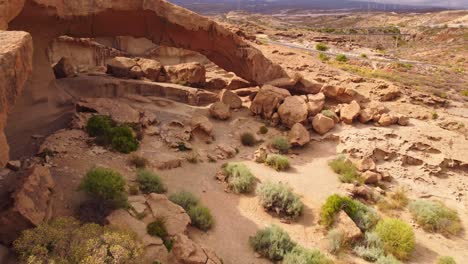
341 94
322 124
176 218
350 112
121 67
30 204
201 123
220 110
237 83
315 103
298 135
293 110
64 69
347 226
388 119
267 100
185 251
190 74
230 98
150 69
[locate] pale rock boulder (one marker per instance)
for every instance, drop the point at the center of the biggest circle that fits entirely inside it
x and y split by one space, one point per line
267 100
366 115
202 123
298 135
403 120
371 177
388 119
315 103
120 67
230 98
220 110
293 110
165 161
322 124
350 112
366 163
341 94
237 83
177 219
64 69
190 74
174 132
347 226
150 69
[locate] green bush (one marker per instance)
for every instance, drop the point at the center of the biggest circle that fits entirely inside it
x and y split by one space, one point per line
201 217
66 240
263 130
281 143
323 57
157 228
272 243
364 217
371 249
389 259
149 182
185 199
278 162
336 240
321 47
99 125
279 198
446 260
123 139
435 217
300 255
329 114
138 161
239 177
363 55
105 184
341 58
248 139
346 170
397 237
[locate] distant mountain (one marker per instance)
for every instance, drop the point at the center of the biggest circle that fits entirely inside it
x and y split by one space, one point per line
272 6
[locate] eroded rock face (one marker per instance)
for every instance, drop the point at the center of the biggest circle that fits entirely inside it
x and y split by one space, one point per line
177 219
267 100
30 204
293 110
185 251
190 74
202 123
230 98
118 111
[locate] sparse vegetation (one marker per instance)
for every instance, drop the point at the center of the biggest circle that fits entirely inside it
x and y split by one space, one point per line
389 259
123 139
105 184
99 125
446 260
300 255
396 201
341 58
281 143
272 242
323 57
321 47
371 249
434 216
397 237
279 198
157 228
66 240
138 161
336 241
464 92
363 55
278 162
149 182
263 130
185 199
328 113
239 177
200 215
348 173
248 139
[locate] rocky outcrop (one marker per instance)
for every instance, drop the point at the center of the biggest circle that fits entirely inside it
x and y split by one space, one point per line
185 251
267 100
341 94
190 74
15 67
118 111
138 68
30 204
293 110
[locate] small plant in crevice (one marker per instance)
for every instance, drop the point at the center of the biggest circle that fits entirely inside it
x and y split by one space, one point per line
336 241
158 228
395 201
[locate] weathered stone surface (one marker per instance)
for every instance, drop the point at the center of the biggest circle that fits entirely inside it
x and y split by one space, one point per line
237 83
346 225
121 67
216 83
249 91
150 69
388 119
293 110
224 151
185 251
165 161
315 103
298 135
176 218
117 110
190 74
64 69
267 100
349 112
371 177
202 123
366 163
322 124
30 204
175 132
230 98
403 120
220 110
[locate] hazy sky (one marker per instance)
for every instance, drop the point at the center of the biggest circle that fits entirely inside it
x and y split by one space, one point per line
441 3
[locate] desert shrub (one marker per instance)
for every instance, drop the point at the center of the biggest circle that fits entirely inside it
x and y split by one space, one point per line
364 216
123 139
66 240
105 184
363 55
263 130
280 198
300 255
169 244
281 143
149 182
99 125
157 228
278 162
435 115
248 139
239 177
329 113
201 217
446 260
371 249
397 237
321 47
435 217
396 200
346 170
389 259
138 161
185 199
464 92
182 147
323 57
336 241
341 58
272 242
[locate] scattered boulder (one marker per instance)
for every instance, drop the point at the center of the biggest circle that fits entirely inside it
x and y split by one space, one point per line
315 103
176 218
120 67
349 112
298 135
230 98
249 91
190 74
216 83
346 225
165 161
202 123
322 124
371 177
366 115
64 69
365 164
388 93
307 86
403 120
260 155
220 110
150 69
387 119
185 251
175 132
293 110
223 151
267 100
237 83
341 94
